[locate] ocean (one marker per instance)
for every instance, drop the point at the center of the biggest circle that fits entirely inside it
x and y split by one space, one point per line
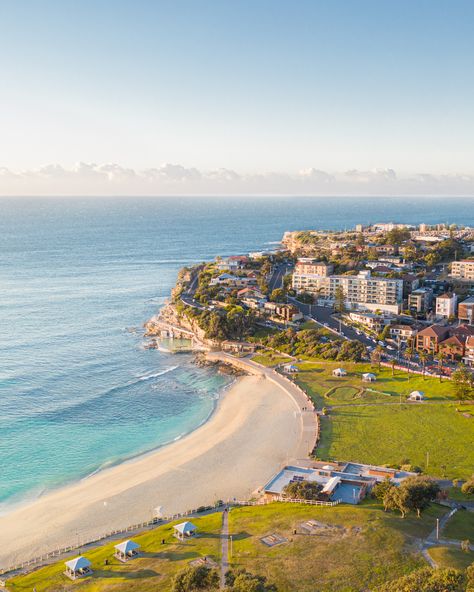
79 277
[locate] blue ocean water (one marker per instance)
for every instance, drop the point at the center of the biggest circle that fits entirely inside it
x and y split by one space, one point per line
79 277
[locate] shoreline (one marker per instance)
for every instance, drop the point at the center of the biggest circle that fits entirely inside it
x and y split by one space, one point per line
209 458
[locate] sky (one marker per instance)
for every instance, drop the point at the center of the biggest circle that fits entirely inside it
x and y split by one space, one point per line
236 96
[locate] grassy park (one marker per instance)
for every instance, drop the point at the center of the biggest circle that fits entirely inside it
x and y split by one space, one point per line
451 557
373 423
364 546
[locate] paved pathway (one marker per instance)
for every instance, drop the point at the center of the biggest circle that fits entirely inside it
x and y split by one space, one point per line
225 546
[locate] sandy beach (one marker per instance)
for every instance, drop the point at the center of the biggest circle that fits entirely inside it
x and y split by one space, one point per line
256 428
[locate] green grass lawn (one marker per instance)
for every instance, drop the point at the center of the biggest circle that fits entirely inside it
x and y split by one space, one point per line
390 434
367 423
270 359
153 570
460 526
316 377
450 557
374 547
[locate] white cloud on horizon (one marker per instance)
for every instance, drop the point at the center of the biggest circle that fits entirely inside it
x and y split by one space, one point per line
175 179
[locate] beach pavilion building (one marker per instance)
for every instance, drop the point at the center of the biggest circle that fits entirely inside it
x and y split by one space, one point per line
184 530
126 550
369 377
416 396
78 567
339 372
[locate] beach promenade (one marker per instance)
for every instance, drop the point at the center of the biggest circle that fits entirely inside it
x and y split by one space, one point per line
259 426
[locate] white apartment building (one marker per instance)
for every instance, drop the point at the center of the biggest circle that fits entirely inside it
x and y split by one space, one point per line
362 291
463 270
446 305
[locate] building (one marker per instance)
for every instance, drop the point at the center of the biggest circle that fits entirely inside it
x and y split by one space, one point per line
463 270
372 321
185 530
361 291
369 377
466 310
451 341
469 352
416 396
446 305
402 332
308 266
339 372
420 300
340 481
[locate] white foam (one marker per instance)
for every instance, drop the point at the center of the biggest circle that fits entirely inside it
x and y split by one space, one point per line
156 374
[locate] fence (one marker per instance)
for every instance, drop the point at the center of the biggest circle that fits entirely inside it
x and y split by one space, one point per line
155 521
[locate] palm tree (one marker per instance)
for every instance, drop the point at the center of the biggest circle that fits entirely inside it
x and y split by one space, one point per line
392 364
408 354
424 359
440 358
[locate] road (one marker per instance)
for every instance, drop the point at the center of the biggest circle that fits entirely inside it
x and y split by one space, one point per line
324 315
276 279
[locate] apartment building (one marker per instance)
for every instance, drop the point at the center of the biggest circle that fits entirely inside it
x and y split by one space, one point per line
361 291
420 300
463 270
308 266
446 305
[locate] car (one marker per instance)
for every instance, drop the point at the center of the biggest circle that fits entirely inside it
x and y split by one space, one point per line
391 348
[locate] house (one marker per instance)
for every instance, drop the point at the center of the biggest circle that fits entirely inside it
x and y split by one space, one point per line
446 305
250 292
428 339
466 310
469 352
372 321
339 372
306 265
410 282
452 347
416 396
233 263
402 332
369 377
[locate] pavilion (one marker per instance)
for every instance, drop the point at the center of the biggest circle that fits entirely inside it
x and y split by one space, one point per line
416 396
126 550
369 377
78 567
184 530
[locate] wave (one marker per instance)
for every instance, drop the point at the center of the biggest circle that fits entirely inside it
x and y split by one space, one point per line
156 374
272 243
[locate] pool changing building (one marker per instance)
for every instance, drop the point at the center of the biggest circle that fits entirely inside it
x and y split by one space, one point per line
341 481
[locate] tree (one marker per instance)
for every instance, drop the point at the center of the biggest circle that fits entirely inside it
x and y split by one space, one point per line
419 492
380 489
307 490
440 360
396 498
468 487
408 355
392 365
463 383
278 295
339 300
244 581
423 358
201 577
427 579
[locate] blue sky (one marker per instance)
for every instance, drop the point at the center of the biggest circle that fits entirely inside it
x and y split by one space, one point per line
252 86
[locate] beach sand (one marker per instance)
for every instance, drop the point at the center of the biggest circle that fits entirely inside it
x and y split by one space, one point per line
256 429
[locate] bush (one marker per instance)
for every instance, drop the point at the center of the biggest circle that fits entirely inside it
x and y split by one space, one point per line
196 578
468 487
427 580
307 490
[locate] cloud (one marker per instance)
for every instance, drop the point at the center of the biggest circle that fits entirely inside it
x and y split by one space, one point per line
176 179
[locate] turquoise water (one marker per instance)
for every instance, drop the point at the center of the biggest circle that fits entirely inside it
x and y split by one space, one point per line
79 277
